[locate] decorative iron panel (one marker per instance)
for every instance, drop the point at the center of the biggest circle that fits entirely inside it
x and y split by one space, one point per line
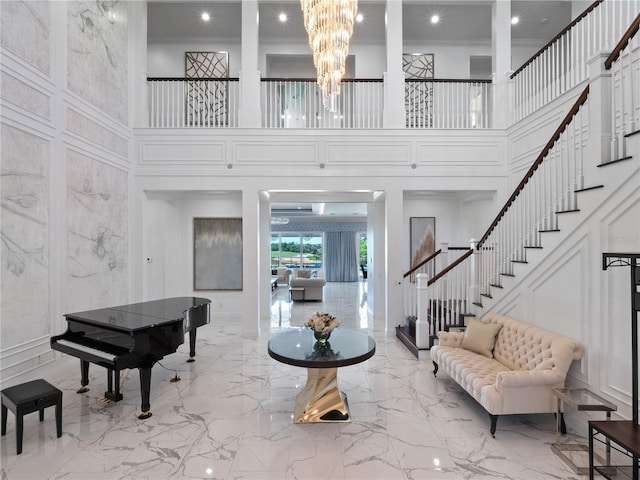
207 94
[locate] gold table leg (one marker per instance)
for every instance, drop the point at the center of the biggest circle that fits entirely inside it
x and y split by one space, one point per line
320 400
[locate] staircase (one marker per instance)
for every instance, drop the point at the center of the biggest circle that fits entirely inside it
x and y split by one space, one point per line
594 152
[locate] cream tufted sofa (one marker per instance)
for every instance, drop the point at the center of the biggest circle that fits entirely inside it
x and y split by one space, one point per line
309 280
517 377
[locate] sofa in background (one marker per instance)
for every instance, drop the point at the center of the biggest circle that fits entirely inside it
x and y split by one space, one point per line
507 365
309 280
283 274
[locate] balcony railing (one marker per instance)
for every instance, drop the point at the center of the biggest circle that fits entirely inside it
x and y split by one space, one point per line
447 103
562 64
297 103
197 103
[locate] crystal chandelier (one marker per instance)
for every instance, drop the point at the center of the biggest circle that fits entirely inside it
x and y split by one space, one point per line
329 24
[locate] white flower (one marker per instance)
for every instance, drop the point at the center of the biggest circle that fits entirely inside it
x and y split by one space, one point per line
322 322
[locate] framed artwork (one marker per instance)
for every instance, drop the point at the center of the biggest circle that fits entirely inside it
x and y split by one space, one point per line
207 92
417 67
217 254
422 238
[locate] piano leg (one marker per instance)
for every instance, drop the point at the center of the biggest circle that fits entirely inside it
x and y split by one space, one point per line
84 376
192 345
145 389
113 376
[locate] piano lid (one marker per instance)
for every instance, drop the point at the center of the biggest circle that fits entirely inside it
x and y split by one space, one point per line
140 316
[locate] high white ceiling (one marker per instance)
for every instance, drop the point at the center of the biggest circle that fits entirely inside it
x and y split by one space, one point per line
462 21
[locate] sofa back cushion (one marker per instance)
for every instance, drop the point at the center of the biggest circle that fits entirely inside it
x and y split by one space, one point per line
522 346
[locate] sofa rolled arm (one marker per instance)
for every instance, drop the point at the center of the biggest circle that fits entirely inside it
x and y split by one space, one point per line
524 378
450 339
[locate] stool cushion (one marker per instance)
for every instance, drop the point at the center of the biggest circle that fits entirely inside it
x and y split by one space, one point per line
30 391
29 397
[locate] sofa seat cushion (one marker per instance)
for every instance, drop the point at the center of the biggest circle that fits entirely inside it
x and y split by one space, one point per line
471 370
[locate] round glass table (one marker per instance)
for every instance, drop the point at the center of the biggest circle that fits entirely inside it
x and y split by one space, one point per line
320 400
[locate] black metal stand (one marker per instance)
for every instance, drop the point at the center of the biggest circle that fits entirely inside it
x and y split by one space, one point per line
626 434
632 260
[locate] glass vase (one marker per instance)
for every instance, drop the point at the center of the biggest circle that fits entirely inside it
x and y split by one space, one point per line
322 338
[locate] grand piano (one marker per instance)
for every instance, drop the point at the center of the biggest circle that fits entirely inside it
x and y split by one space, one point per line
131 336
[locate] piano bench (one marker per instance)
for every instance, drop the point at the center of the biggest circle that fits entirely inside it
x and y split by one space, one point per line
27 398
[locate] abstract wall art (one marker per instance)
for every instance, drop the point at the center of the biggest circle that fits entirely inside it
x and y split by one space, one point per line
217 254
422 238
207 92
418 67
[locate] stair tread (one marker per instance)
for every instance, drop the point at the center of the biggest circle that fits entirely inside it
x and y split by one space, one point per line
617 160
568 211
587 189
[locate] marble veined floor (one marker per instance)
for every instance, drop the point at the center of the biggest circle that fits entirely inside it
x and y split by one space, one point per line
230 417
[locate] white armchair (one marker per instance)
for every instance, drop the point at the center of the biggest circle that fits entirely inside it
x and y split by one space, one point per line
284 274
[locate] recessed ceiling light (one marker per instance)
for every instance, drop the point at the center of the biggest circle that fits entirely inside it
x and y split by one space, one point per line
435 19
359 18
515 20
282 17
205 17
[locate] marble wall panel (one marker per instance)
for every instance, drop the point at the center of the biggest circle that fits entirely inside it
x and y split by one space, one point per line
97 233
97 55
15 91
95 133
24 29
24 183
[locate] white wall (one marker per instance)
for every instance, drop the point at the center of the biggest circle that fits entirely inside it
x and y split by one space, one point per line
159 253
567 291
450 61
66 140
167 59
444 209
476 214
168 241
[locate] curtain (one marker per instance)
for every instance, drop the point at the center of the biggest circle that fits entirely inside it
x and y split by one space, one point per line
341 257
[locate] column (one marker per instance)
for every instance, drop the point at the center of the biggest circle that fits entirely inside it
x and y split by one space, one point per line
395 241
250 258
394 114
249 75
501 46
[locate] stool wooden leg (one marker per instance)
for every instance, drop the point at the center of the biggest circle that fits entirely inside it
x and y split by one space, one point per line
4 419
41 414
19 429
59 417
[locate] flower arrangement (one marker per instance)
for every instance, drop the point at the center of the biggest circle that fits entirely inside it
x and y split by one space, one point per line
322 323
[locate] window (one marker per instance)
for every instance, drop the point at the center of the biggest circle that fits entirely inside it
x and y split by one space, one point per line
295 250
